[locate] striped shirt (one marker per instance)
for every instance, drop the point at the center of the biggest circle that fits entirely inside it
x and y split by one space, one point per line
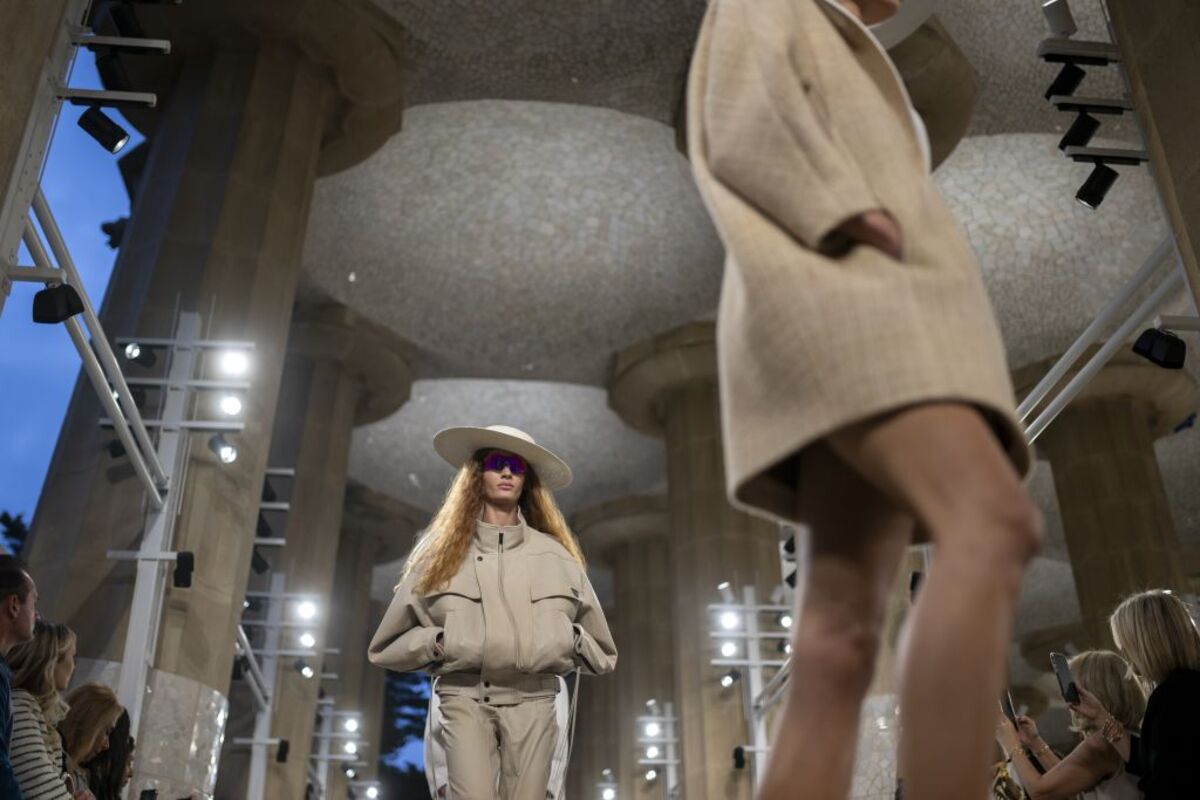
36 751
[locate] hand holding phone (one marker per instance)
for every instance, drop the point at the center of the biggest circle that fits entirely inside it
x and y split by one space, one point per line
1066 684
1006 705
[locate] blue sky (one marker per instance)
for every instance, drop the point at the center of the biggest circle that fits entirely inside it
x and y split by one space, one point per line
38 363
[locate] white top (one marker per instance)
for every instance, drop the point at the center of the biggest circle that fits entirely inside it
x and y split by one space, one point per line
35 751
1118 787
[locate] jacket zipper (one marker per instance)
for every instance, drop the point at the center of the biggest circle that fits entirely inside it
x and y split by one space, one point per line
512 618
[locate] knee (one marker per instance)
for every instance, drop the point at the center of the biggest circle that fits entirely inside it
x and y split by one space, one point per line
1001 532
839 660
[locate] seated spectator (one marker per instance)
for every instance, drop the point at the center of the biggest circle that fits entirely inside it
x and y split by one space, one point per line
94 711
1095 769
18 612
108 772
1157 635
42 669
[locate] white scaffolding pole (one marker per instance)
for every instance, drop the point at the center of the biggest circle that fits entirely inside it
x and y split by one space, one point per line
257 783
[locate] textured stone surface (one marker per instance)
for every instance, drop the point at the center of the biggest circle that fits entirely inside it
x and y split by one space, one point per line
630 55
874 775
518 240
609 460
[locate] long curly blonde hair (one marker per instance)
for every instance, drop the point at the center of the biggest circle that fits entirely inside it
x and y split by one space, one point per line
444 545
33 664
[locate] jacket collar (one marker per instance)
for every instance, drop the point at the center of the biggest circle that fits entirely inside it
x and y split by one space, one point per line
487 535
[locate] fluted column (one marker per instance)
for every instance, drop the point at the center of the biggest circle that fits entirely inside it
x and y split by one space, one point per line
631 536
666 386
377 532
216 229
1116 517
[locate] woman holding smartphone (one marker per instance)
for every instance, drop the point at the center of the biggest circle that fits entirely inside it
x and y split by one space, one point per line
495 601
1095 769
1156 633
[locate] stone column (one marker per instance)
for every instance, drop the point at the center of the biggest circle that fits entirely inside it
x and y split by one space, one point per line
1115 513
666 386
1158 44
377 532
341 372
631 536
217 229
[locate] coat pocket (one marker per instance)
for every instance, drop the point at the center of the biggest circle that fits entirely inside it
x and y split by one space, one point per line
554 602
459 610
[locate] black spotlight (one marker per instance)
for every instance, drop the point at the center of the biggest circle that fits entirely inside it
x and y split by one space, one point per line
281 753
125 21
115 231
263 528
185 564
739 757
1092 193
1161 348
258 563
56 304
301 666
1067 80
111 136
112 72
914 583
1081 131
115 448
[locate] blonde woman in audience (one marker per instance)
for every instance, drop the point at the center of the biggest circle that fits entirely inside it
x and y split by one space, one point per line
41 668
94 711
1155 631
1095 769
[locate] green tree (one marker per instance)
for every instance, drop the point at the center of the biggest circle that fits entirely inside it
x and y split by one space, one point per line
14 531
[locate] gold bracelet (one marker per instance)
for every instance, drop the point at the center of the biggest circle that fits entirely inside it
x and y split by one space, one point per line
1111 730
1045 748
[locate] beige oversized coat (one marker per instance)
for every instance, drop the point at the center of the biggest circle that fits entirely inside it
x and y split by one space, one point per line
797 122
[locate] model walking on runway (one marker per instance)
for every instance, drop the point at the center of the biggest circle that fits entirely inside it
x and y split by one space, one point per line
863 384
495 601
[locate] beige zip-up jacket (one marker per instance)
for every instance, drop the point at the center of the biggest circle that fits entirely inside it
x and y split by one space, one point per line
519 611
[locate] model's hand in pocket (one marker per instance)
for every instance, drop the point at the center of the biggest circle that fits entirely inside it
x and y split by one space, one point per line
876 229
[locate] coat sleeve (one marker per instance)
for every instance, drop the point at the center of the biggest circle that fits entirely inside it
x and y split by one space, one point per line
407 639
595 651
761 134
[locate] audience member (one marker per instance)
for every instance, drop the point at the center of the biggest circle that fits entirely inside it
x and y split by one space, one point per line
94 711
108 772
42 668
1095 769
1157 635
18 612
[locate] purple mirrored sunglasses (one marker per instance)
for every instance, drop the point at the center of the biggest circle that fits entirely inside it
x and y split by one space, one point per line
497 460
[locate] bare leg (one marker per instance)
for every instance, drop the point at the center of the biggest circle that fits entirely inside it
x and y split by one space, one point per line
858 536
942 462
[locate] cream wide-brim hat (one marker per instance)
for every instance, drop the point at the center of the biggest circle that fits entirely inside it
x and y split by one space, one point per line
459 445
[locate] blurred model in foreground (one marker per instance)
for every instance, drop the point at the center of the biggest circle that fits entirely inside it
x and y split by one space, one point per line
864 388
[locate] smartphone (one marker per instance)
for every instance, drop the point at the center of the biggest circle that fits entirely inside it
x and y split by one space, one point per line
148 794
1010 711
1066 684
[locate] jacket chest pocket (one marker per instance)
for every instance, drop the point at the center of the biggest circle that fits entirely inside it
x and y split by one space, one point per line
554 600
553 592
458 608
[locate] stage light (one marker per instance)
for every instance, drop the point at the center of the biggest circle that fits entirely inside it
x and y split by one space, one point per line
726 592
306 609
785 621
234 362
115 448
350 773
230 405
609 794
1067 80
56 304
728 649
351 725
1081 131
351 748
112 72
1059 19
257 563
307 640
185 564
108 134
730 620
224 450
651 774
301 666
142 356
1092 193
653 730
730 678
372 792
281 754
652 706
1161 348
652 751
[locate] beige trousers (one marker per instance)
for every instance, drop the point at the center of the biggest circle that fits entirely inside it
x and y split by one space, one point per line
513 745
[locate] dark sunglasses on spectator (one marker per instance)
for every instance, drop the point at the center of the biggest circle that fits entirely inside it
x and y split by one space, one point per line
496 461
